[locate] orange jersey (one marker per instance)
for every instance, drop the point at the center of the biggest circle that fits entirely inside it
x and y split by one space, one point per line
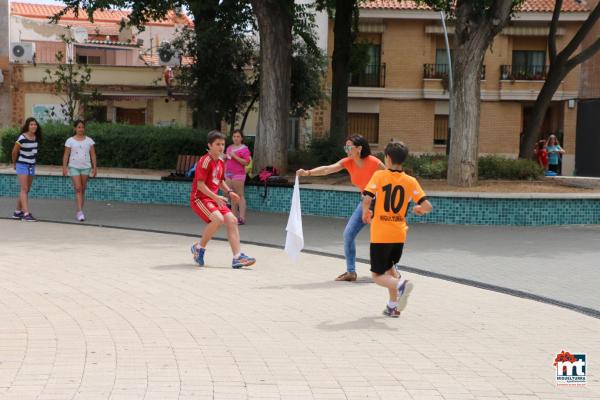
393 190
360 175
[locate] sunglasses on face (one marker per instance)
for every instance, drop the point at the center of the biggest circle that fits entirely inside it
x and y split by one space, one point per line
348 149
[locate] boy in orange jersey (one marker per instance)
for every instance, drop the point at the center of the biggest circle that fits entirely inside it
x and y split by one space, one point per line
393 190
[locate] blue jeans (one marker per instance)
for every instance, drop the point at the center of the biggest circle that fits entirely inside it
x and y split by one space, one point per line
353 227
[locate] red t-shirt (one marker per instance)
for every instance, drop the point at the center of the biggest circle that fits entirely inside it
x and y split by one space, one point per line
211 172
542 156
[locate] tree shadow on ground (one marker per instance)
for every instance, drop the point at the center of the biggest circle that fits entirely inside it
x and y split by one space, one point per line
362 323
320 285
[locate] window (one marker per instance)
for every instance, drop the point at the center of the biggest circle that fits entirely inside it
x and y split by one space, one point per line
364 124
527 58
528 64
97 114
131 116
441 61
88 60
440 130
371 73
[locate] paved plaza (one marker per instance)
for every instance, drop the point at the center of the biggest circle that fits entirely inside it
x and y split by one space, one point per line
553 264
101 313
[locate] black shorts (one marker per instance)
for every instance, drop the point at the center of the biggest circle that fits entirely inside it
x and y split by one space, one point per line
384 256
553 168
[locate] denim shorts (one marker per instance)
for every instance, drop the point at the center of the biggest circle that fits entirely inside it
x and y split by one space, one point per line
235 177
25 169
79 171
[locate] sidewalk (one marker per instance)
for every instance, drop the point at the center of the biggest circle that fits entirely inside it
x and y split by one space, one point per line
556 263
94 313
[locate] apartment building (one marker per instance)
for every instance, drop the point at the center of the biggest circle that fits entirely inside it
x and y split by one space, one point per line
125 65
402 92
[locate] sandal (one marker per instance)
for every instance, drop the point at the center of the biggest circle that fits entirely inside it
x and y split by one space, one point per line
347 277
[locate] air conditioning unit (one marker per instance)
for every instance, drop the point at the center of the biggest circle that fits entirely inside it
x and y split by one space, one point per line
168 55
22 53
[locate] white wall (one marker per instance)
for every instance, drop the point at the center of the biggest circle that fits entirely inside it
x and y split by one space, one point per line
158 34
322 21
26 29
4 51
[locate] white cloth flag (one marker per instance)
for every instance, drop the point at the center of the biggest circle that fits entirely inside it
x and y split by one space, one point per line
294 241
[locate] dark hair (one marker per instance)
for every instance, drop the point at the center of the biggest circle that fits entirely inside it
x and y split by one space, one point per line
77 122
541 144
214 135
238 131
38 132
396 151
359 140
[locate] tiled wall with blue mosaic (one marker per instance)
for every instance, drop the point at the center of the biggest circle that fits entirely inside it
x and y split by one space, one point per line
447 210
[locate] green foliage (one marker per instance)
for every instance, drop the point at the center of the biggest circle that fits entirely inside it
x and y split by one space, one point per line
326 151
217 81
496 167
321 151
435 166
309 66
69 82
122 146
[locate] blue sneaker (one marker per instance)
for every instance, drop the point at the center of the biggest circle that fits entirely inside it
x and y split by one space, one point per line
28 218
18 215
198 254
404 291
242 261
391 312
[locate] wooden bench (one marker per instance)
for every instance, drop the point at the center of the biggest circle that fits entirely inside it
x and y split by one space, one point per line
184 163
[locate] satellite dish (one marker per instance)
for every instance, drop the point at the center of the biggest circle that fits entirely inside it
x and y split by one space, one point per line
79 34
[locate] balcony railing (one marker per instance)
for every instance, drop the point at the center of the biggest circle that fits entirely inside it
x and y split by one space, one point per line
523 72
440 71
372 76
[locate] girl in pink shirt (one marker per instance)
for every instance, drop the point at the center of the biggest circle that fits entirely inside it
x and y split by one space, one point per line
238 157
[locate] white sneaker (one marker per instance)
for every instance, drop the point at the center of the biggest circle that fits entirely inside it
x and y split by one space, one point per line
404 291
80 217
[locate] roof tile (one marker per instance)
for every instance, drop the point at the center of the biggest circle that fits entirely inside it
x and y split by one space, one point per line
528 6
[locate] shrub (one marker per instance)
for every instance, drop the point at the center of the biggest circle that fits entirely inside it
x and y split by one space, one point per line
118 145
326 151
433 166
496 167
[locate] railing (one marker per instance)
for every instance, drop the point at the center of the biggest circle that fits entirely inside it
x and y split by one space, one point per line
440 71
523 72
372 76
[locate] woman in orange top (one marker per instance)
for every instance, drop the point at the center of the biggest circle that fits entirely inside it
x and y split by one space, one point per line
361 166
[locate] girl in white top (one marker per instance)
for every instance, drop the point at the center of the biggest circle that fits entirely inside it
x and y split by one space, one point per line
79 162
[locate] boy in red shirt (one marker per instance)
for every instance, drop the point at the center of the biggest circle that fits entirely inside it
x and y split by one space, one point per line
212 208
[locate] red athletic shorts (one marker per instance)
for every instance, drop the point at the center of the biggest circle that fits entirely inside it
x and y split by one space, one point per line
205 207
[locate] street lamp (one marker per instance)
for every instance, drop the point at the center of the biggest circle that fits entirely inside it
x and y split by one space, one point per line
450 82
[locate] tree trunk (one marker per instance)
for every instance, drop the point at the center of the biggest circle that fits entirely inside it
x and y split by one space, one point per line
275 27
340 65
464 142
542 103
474 33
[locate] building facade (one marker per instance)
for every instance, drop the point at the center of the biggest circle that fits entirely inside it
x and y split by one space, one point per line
402 93
125 65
